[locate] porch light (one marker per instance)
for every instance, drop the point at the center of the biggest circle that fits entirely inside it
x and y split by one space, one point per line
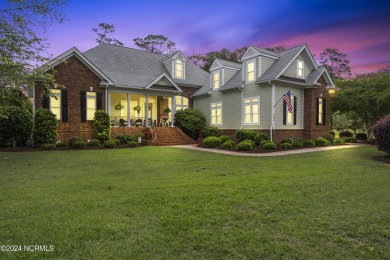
91 89
331 91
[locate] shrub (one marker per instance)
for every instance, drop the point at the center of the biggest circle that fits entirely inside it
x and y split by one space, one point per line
123 139
332 133
109 144
287 140
190 119
329 137
45 131
132 144
349 139
297 144
93 142
48 146
116 141
131 138
382 134
285 146
252 143
345 133
244 146
260 137
227 145
262 143
361 136
101 126
211 142
308 143
245 135
211 131
339 141
73 139
15 124
61 144
230 141
225 138
320 141
79 145
269 146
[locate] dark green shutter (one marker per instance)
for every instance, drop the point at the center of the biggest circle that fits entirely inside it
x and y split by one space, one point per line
83 106
46 102
295 110
284 113
64 105
317 111
323 111
99 101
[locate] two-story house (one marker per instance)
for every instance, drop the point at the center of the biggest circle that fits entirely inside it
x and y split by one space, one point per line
136 87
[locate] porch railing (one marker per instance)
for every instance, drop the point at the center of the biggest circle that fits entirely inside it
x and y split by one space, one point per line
190 132
121 121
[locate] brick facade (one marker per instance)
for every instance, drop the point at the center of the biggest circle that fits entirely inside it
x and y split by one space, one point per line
75 77
187 92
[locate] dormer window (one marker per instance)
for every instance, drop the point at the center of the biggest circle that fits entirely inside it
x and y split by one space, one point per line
250 71
300 69
179 69
216 81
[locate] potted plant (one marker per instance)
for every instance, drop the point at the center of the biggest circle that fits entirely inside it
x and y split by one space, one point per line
165 118
137 108
167 110
148 134
118 107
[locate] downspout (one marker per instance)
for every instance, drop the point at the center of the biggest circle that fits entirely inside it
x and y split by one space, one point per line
242 98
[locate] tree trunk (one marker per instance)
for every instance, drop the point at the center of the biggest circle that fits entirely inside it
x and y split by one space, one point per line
13 142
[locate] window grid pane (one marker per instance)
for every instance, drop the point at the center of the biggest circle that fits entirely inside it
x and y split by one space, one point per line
55 103
91 105
251 110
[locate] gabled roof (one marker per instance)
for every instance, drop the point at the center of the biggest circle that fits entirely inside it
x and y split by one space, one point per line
253 51
234 82
316 74
231 64
135 68
174 56
158 78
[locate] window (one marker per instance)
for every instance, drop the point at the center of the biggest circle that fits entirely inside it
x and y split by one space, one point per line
320 111
91 105
251 110
300 69
55 103
179 69
181 103
216 80
290 115
250 71
216 113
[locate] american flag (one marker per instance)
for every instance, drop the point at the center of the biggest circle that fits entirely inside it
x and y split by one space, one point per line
287 99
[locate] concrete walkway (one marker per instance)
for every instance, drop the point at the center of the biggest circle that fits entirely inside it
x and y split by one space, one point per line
287 152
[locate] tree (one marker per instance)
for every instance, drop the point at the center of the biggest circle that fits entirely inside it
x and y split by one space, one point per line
15 124
335 62
102 32
22 28
156 44
365 97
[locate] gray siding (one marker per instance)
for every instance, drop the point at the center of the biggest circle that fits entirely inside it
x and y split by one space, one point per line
168 66
265 64
291 71
265 93
228 74
279 92
164 82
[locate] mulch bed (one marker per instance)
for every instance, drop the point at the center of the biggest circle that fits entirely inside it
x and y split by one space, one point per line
383 158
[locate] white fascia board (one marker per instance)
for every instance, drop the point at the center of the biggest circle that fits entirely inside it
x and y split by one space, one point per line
166 76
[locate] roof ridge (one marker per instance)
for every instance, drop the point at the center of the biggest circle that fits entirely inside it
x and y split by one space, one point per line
304 44
238 63
264 49
155 53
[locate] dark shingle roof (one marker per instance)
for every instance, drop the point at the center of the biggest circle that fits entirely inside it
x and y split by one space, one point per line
314 75
136 68
292 79
232 64
234 82
264 51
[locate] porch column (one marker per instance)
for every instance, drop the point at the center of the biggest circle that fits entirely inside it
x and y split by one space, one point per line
108 102
147 111
173 110
128 110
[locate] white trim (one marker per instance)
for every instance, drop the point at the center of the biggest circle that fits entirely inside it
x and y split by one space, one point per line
219 80
75 52
243 110
128 109
146 110
174 57
108 102
160 77
246 71
273 95
216 65
256 53
211 113
295 57
293 110
259 68
303 68
222 77
182 69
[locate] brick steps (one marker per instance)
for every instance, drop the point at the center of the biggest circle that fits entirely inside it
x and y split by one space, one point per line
170 136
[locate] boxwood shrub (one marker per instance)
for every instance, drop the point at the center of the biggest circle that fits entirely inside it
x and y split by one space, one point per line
93 142
287 140
110 144
260 137
48 146
73 139
297 144
132 144
123 139
308 143
262 143
227 145
212 142
79 145
244 146
225 138
61 144
285 146
361 136
250 141
339 141
329 137
116 141
349 139
320 141
269 146
211 131
230 141
345 133
245 135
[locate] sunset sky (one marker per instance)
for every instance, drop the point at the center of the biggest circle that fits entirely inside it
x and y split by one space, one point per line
359 28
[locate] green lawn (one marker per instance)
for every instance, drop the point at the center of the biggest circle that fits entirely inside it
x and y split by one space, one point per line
159 202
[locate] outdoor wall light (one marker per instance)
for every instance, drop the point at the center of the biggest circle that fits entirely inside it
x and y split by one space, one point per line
91 89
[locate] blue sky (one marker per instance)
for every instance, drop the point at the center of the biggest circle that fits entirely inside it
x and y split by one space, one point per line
359 28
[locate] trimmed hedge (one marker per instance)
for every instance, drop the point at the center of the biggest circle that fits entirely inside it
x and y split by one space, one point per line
61 144
251 142
73 139
262 143
260 137
244 146
345 133
329 137
212 142
308 143
227 145
132 144
48 146
245 135
93 142
116 141
110 144
79 145
382 134
320 141
287 140
297 144
45 131
101 126
349 139
285 146
339 141
269 146
225 138
211 131
361 136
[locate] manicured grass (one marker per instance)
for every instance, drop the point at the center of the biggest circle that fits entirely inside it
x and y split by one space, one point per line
159 202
